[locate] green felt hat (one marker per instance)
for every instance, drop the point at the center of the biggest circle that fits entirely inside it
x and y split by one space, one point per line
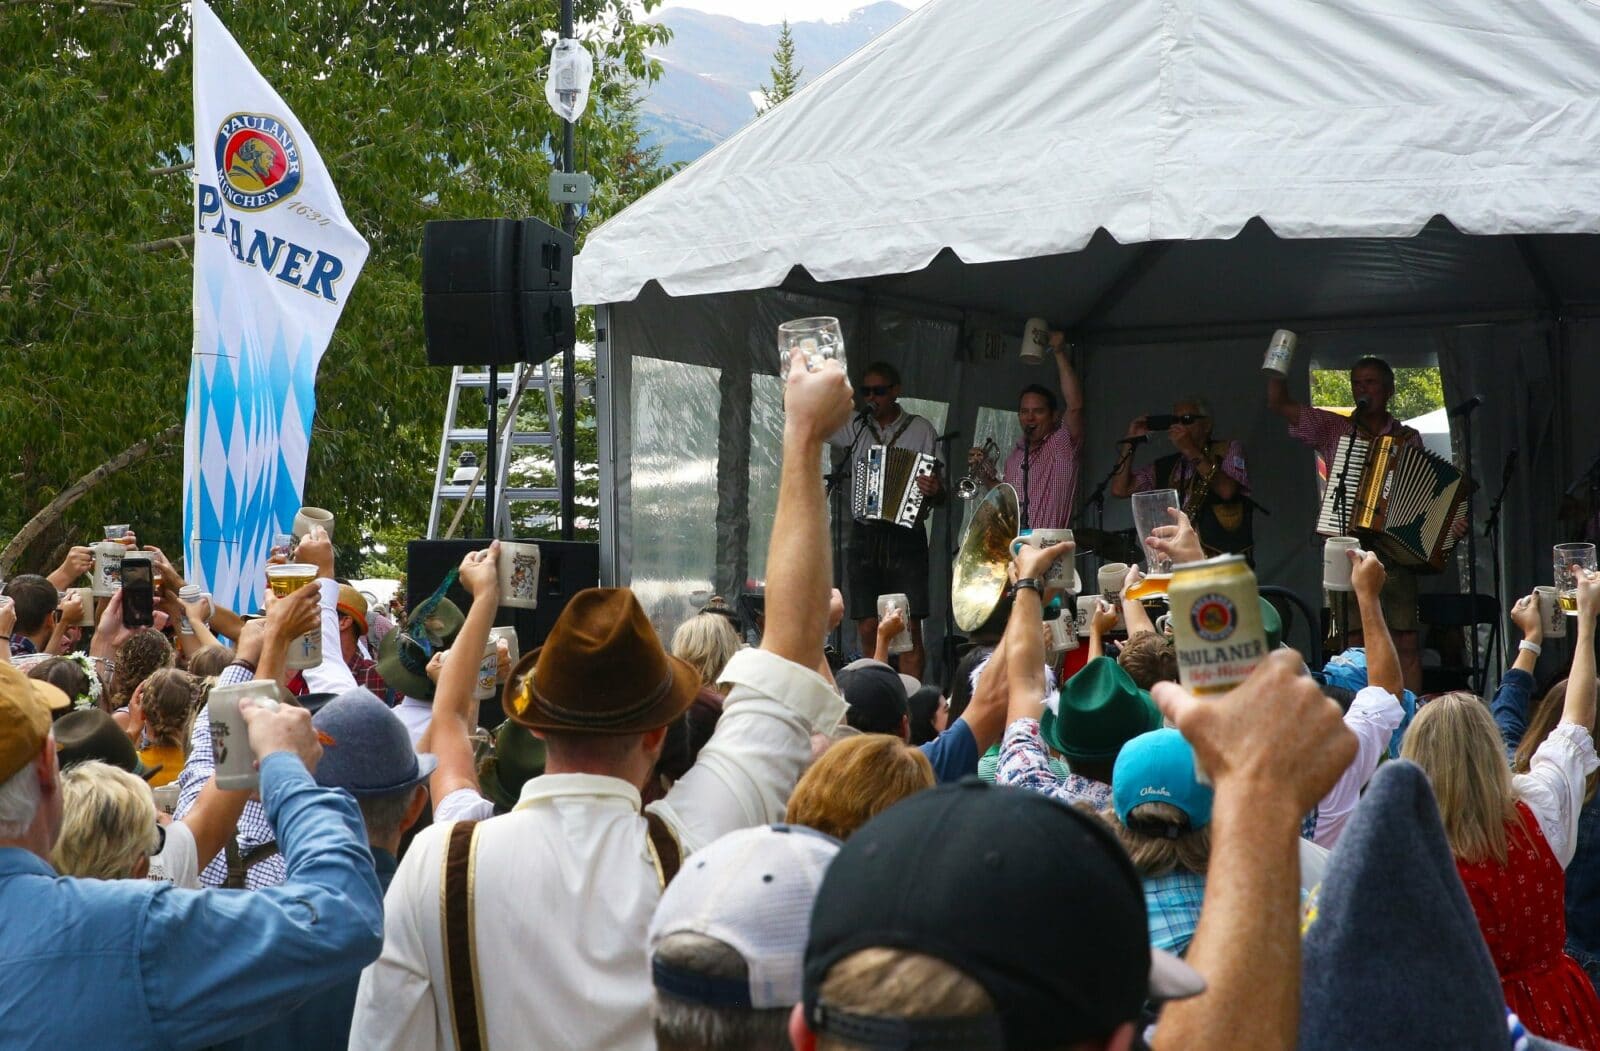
407 672
1271 623
518 758
1099 710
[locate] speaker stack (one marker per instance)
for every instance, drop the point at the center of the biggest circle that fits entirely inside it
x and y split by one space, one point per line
496 291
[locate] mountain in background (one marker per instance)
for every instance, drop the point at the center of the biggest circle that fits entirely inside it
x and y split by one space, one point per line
714 66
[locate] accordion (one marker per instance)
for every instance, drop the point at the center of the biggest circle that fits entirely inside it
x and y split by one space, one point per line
1403 501
884 488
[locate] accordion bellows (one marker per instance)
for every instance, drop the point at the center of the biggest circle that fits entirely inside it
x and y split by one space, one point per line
884 488
1402 501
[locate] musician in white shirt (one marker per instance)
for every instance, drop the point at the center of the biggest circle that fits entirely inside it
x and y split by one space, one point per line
882 558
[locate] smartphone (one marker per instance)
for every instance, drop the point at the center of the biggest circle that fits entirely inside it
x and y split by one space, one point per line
138 592
1160 421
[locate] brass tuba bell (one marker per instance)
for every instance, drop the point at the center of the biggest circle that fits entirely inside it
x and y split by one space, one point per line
979 582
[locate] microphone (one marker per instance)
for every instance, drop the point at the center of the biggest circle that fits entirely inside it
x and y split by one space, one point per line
1467 406
1362 405
1135 441
948 437
864 413
1511 465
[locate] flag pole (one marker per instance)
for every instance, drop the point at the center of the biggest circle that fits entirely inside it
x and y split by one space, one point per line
569 361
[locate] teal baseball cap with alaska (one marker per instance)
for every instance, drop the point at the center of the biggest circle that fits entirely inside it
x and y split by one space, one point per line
1158 767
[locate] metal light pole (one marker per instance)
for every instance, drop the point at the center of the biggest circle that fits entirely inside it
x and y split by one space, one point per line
569 360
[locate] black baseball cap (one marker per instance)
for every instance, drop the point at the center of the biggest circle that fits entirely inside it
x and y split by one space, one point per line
875 694
1035 901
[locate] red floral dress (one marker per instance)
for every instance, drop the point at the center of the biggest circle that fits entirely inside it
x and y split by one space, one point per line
1521 909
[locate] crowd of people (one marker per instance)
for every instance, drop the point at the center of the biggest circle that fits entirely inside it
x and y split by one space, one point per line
710 846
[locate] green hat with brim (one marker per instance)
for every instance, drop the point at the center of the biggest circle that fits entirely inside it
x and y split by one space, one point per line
1098 711
518 758
407 672
1271 623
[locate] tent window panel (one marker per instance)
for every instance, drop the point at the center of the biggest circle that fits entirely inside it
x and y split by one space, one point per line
674 487
997 424
766 461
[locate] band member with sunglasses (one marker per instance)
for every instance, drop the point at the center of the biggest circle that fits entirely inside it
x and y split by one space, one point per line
1209 474
882 558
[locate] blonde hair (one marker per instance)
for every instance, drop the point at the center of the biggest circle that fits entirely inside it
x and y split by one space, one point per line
1155 855
1455 742
108 822
854 780
897 983
707 642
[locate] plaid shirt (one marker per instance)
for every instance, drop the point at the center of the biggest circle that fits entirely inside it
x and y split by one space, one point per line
1172 903
1052 477
1183 472
253 829
22 646
366 674
1024 763
1322 430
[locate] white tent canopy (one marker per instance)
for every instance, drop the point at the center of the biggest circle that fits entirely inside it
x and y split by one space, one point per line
1168 181
1012 129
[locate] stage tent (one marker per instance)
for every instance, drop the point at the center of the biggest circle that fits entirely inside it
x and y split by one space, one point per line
1167 180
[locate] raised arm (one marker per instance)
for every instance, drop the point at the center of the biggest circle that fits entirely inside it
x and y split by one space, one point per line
1071 388
1135 618
1273 747
455 709
799 569
1383 662
1024 638
1101 621
78 561
1579 706
1279 399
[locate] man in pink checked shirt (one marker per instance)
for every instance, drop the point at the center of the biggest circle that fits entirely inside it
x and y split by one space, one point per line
1043 464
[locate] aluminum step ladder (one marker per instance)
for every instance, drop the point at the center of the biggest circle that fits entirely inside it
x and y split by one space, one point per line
518 382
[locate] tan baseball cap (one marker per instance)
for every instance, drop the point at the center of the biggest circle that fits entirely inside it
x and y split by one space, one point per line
354 603
25 707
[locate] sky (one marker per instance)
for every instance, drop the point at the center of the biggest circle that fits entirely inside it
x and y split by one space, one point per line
768 12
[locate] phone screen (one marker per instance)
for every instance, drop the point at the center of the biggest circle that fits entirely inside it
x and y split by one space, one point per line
138 593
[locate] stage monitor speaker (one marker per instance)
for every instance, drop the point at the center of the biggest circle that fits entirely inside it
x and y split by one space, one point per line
471 314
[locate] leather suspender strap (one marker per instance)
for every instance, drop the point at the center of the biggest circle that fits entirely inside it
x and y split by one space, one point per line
239 864
664 848
456 908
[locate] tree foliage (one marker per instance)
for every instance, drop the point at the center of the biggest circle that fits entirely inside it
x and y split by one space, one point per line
1416 391
785 73
432 109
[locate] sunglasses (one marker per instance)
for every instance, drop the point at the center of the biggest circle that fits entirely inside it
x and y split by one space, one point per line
1188 418
876 390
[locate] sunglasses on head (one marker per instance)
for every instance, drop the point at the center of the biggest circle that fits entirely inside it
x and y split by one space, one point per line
877 390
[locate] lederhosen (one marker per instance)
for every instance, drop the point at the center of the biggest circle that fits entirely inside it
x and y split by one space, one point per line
1222 525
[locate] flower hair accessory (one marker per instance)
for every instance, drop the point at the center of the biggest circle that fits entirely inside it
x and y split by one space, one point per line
92 698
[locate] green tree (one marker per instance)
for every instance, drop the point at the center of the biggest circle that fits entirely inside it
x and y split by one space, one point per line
1416 391
785 73
427 110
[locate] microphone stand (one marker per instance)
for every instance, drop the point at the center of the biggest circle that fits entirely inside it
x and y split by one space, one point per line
1491 530
1027 464
1097 499
839 473
1472 547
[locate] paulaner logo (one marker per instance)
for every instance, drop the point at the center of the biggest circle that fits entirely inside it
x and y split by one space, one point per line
258 161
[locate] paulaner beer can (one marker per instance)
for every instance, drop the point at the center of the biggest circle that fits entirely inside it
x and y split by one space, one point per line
1279 352
1216 623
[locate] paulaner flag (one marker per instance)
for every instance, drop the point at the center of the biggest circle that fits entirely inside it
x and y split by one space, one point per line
274 262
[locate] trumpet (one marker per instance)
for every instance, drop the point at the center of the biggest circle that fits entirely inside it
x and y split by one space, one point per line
968 487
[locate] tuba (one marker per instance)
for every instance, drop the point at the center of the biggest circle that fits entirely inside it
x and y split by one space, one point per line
979 582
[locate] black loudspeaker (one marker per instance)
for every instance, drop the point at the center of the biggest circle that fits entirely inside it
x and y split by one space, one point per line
565 568
496 291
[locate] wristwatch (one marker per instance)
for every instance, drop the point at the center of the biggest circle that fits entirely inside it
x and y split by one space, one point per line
1029 582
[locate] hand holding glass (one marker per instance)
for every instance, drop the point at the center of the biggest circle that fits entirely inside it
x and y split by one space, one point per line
818 338
1569 559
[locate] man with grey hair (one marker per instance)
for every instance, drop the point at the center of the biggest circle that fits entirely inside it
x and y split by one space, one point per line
728 940
172 967
1209 474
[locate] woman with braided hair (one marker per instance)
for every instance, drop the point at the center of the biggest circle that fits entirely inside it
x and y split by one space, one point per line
159 718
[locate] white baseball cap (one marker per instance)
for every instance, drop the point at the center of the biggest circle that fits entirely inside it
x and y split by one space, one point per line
752 890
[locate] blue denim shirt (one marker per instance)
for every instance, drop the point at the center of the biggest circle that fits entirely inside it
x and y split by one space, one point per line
324 1020
1510 710
141 964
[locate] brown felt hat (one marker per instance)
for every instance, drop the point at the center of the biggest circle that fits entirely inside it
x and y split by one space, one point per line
602 670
